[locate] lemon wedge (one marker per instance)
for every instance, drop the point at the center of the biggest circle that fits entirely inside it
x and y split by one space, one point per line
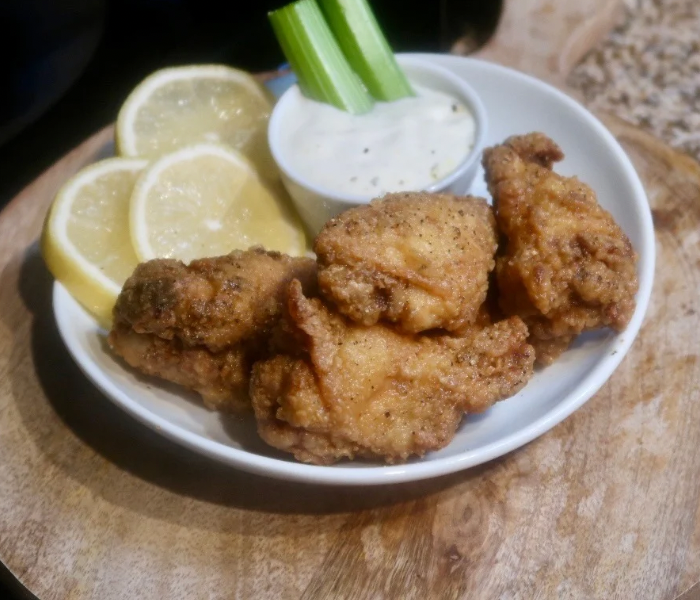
86 242
207 200
182 106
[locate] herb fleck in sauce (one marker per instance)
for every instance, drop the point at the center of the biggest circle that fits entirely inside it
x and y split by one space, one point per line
399 146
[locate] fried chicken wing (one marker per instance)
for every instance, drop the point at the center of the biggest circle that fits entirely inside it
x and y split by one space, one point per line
416 259
566 266
221 378
202 325
214 302
370 391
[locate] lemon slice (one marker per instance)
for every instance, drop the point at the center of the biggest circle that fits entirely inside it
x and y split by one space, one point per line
207 200
182 106
86 242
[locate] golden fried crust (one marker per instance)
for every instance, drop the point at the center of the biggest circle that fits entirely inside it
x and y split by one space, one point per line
214 302
370 391
566 266
284 381
548 350
220 378
415 259
535 148
203 325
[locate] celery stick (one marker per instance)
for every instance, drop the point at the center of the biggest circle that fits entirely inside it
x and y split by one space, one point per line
366 48
323 72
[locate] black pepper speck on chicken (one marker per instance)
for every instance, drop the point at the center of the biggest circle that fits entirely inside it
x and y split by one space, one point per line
565 266
419 260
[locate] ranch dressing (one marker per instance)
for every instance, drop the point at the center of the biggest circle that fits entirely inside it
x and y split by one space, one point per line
404 145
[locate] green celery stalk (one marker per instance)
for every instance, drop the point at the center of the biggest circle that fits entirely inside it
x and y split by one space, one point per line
364 45
322 70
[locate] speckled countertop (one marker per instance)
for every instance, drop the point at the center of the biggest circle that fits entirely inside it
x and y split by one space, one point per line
648 71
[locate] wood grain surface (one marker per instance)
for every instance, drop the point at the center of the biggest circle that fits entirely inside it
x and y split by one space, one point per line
546 38
606 505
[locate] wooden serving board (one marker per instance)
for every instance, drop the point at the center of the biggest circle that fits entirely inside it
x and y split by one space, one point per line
606 505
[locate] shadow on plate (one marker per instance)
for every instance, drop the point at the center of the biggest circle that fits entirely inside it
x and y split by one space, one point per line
91 425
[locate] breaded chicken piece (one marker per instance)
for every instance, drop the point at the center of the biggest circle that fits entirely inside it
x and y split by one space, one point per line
372 392
202 325
565 266
419 260
221 378
214 302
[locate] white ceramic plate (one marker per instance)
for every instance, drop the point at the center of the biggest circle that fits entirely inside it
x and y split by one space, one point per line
516 104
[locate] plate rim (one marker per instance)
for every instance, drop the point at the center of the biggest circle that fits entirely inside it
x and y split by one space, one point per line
600 371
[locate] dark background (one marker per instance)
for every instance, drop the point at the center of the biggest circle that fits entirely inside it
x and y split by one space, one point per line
67 65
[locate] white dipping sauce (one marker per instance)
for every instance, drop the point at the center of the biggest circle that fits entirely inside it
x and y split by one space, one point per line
404 145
